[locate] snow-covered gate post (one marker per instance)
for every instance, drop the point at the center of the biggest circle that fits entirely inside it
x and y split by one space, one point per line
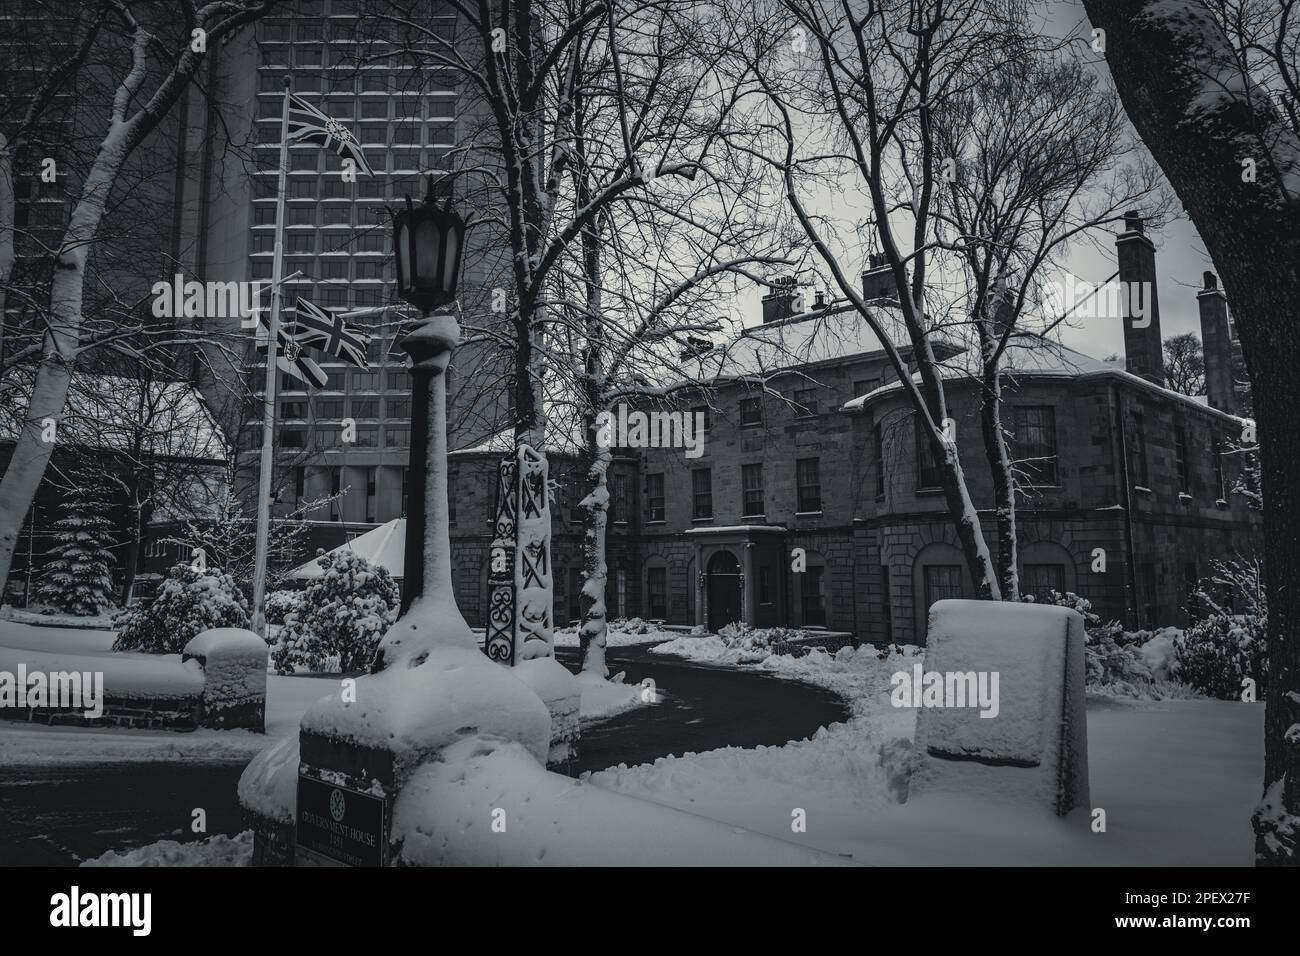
521 596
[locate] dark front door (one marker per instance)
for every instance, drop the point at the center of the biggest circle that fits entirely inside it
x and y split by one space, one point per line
724 590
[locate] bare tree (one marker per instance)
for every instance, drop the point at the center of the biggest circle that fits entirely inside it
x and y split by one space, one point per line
1035 158
850 101
165 52
1212 89
1185 364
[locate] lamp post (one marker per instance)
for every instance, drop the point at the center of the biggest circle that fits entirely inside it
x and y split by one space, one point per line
428 242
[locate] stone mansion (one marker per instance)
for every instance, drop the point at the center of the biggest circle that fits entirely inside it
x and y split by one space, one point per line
1112 460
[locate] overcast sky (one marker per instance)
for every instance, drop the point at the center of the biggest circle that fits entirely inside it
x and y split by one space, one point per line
1180 254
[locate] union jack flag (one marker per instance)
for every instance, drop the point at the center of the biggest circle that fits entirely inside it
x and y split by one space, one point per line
318 329
309 125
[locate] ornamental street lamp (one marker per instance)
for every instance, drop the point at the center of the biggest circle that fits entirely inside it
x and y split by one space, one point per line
428 242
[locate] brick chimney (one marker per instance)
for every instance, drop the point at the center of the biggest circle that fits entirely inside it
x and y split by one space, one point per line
878 280
1143 346
782 300
1216 343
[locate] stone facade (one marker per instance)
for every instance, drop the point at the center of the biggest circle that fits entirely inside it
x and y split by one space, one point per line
1135 489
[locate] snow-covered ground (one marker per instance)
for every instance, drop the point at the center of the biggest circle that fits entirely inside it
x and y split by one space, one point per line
287 699
1178 780
32 615
640 632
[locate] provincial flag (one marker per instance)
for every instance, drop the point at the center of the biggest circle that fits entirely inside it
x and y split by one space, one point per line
290 360
309 125
328 332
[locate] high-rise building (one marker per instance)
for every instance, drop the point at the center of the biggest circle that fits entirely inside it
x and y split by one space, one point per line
408 119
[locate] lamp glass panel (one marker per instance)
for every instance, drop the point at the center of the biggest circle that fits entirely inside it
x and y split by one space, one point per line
428 242
402 244
452 259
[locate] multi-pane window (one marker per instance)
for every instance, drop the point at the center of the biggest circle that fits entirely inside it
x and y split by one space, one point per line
293 409
575 594
1041 580
864 386
368 437
365 408
657 593
805 402
764 584
812 592
1180 459
365 381
751 411
396 436
654 493
702 492
329 408
928 472
618 502
751 480
293 438
942 583
702 410
808 483
397 407
1035 444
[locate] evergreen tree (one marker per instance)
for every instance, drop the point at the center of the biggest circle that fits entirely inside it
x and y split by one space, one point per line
79 579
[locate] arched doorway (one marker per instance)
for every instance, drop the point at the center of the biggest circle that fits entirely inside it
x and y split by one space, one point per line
723 590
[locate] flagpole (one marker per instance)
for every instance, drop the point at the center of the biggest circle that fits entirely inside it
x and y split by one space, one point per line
268 407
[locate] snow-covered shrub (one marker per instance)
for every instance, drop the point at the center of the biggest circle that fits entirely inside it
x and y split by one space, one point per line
281 603
743 637
1113 655
341 616
1217 652
188 603
1228 643
631 625
78 578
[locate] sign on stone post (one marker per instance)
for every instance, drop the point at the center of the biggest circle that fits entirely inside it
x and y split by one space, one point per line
1001 704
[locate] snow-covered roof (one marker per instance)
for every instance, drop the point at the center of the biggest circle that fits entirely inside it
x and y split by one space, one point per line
558 441
1030 356
384 546
822 335
114 412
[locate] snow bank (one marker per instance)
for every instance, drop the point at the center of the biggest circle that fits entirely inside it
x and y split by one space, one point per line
619 633
711 649
216 850
269 784
234 676
491 803
149 676
602 698
560 691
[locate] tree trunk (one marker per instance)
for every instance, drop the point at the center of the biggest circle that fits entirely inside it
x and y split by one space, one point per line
595 570
1004 486
132 560
1169 62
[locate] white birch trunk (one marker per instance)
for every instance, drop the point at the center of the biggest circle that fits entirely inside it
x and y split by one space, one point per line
59 351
